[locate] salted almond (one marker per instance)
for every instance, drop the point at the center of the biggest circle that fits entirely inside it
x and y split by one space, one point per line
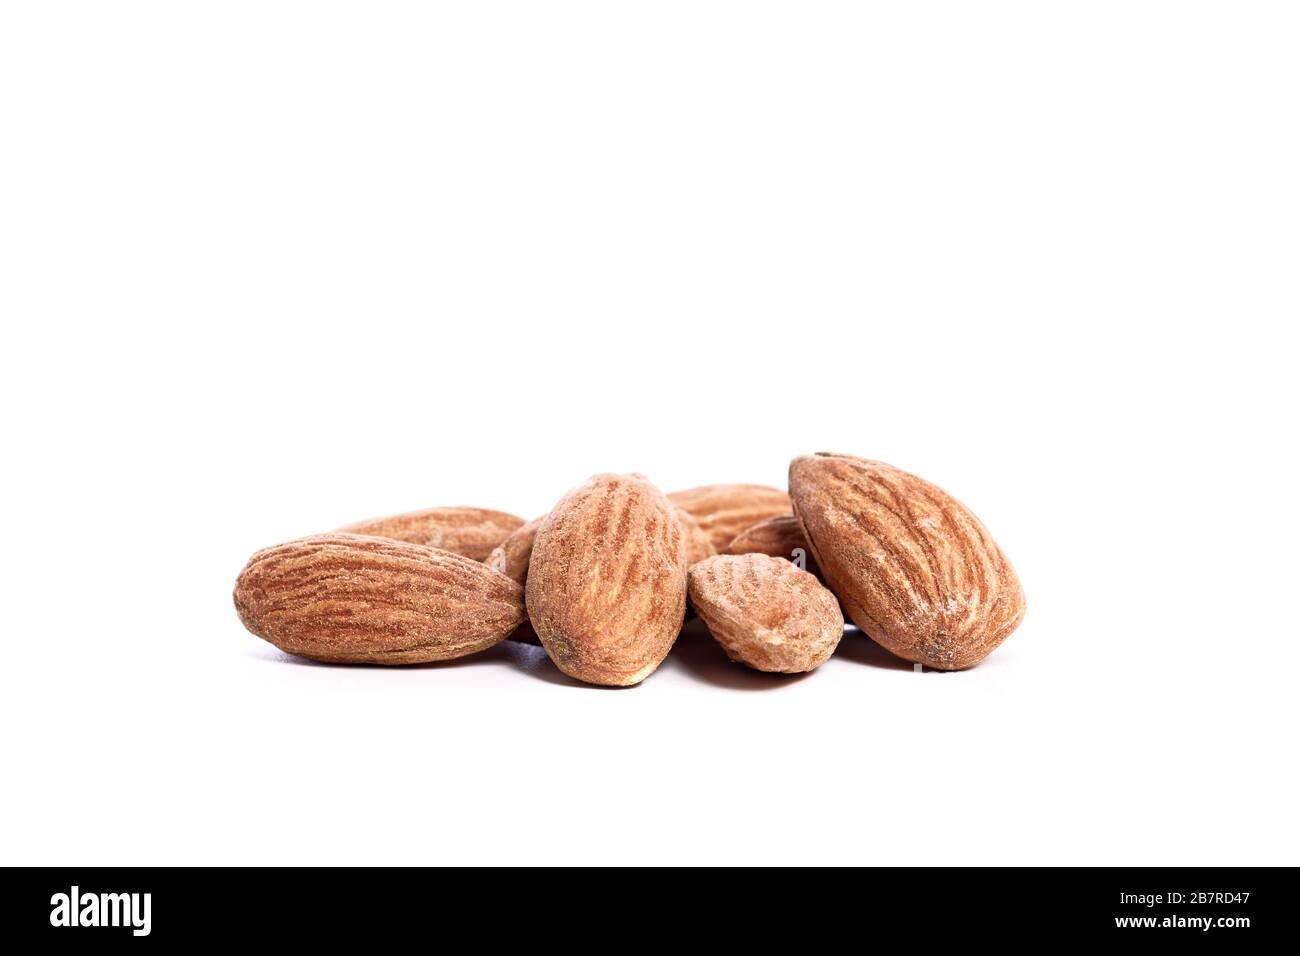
472 532
723 511
780 537
913 567
511 558
357 599
698 545
512 555
765 612
606 587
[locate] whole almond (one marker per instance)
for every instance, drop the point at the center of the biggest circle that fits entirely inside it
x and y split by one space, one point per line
607 580
913 567
473 532
723 511
780 537
698 545
511 558
512 555
354 599
765 612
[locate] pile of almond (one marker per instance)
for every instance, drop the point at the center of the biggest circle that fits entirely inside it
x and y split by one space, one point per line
604 580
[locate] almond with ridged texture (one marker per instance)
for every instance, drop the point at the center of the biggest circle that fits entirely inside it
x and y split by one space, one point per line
765 612
723 511
606 586
512 555
913 567
511 558
698 545
355 599
473 532
780 537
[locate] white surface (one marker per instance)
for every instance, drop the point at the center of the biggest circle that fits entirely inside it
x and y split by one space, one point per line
269 268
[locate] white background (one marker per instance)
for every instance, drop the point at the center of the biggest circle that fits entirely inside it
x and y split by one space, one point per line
267 268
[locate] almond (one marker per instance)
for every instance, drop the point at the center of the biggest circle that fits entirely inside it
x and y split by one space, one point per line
473 532
913 567
512 555
698 545
607 580
511 558
354 599
723 511
780 537
765 612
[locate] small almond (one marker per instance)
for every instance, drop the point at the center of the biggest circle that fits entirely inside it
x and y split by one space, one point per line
512 555
511 558
765 612
698 545
780 537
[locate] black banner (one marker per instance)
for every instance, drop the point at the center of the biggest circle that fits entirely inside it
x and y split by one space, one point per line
138 907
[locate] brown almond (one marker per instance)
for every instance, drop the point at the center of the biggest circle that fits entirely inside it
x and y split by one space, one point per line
698 545
606 588
512 555
780 537
913 567
511 558
354 599
473 532
765 612
723 511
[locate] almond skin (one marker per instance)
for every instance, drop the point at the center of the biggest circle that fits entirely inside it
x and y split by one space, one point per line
355 599
765 612
473 532
698 545
723 511
607 580
779 537
913 567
